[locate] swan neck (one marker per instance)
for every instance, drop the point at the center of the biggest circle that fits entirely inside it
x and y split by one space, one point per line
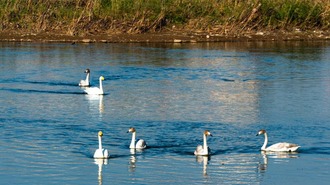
101 85
204 142
87 78
132 145
265 142
100 142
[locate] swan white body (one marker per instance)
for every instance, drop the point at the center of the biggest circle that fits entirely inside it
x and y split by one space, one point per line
203 150
278 147
96 90
85 83
136 144
101 153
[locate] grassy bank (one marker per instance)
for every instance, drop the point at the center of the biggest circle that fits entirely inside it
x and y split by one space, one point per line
81 17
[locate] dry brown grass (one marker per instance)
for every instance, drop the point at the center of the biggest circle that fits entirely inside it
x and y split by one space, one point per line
139 16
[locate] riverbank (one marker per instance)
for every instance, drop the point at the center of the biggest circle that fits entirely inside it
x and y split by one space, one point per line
166 37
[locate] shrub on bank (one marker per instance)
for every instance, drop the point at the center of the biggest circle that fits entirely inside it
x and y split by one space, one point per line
138 16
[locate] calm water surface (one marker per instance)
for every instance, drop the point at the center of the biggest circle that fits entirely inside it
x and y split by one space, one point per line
170 93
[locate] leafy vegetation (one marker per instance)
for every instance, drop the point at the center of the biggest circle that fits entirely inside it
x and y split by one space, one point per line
138 16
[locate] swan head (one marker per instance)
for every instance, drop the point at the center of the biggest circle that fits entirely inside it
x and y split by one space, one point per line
101 78
100 133
132 129
262 131
207 133
87 71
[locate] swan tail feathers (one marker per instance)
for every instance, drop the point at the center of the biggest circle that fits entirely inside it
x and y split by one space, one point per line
141 144
199 150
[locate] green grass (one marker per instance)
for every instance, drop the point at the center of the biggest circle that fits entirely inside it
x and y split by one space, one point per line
138 16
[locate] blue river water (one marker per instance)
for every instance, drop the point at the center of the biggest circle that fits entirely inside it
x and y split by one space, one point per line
170 93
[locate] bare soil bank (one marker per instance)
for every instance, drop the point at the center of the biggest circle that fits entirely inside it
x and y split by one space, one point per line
166 37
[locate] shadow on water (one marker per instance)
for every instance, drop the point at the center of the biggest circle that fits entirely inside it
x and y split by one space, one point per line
49 83
88 151
52 83
39 91
186 152
179 150
315 150
112 156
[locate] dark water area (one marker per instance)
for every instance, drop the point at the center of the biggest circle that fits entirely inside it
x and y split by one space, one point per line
170 93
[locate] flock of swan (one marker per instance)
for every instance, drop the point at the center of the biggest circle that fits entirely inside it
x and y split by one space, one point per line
201 150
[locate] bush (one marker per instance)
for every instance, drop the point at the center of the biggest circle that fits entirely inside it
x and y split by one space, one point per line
138 16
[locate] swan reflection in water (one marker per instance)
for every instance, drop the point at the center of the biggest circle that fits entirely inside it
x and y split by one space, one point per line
263 165
274 155
96 104
100 163
132 166
205 160
133 159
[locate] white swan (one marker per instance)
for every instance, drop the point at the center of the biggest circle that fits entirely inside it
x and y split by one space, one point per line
85 83
101 153
136 144
203 150
278 147
96 90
